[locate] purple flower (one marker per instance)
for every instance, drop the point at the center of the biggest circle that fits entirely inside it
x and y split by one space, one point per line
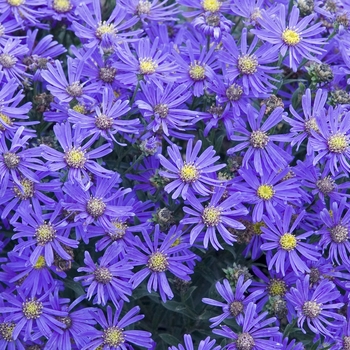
253 334
286 245
206 344
217 215
113 333
22 10
157 257
191 174
249 64
315 306
249 9
265 153
300 42
235 301
213 6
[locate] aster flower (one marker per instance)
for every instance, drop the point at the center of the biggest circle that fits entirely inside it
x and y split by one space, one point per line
191 174
113 333
332 139
296 39
260 144
248 9
254 334
315 306
106 121
335 234
199 7
250 64
235 301
76 156
288 245
61 9
342 340
157 257
217 215
7 27
302 125
109 279
268 193
26 312
45 232
206 344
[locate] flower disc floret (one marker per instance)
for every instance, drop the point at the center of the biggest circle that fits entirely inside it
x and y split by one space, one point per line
189 173
120 231
15 3
79 108
247 64
103 122
257 227
311 309
6 330
339 233
107 74
158 262
277 287
234 92
67 321
11 160
265 192
245 342
211 216
5 119
113 336
346 343
143 7
259 139
311 124
288 242
95 207
161 109
291 37
326 185
103 275
105 28
62 6
40 263
32 309
338 143
147 66
75 89
197 72
44 234
236 308
27 190
211 5
75 158
7 61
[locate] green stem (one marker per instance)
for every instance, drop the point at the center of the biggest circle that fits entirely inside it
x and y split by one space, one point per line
135 92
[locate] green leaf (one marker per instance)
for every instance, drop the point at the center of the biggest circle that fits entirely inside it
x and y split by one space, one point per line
169 339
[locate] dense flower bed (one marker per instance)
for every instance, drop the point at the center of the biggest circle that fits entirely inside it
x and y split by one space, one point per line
174 174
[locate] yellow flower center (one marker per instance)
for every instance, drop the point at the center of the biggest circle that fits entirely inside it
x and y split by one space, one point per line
105 28
113 336
79 108
6 120
40 263
197 72
259 139
211 216
311 124
265 192
338 143
45 233
15 2
158 262
6 330
120 230
247 64
211 5
176 242
147 66
290 37
95 207
277 287
27 190
288 242
32 309
62 6
257 227
75 158
189 173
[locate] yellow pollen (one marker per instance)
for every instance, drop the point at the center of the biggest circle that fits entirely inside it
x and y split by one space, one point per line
113 337
189 173
290 37
32 309
256 14
330 213
211 5
40 263
27 190
257 227
6 120
62 6
288 242
6 330
259 139
338 143
105 28
277 287
265 192
311 124
176 242
80 109
247 64
44 234
211 216
95 207
158 262
197 72
147 66
75 158
15 2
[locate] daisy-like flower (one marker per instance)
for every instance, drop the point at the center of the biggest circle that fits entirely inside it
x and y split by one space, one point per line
106 119
217 215
295 38
249 63
191 174
260 144
335 236
206 344
157 257
27 312
45 232
318 307
303 124
201 6
235 301
248 9
109 279
268 193
343 339
7 27
288 246
113 334
254 333
332 141
76 157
